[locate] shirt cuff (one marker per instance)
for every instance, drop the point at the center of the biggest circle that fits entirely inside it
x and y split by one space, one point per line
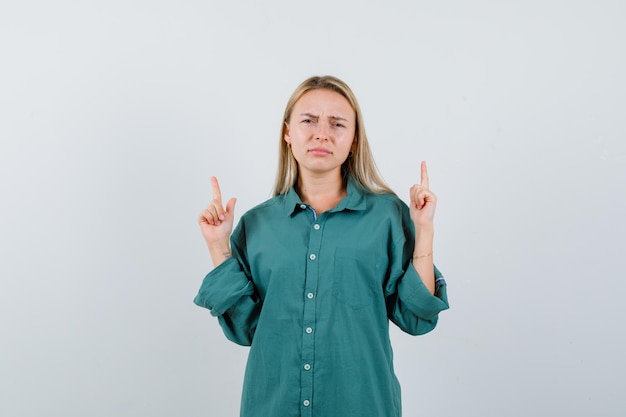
223 287
418 297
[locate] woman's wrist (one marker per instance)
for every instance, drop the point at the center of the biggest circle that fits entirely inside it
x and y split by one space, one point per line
219 252
423 249
428 230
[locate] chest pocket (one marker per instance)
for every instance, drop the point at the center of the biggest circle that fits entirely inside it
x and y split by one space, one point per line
357 280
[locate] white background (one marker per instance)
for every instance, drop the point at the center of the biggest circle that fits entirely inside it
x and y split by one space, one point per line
114 115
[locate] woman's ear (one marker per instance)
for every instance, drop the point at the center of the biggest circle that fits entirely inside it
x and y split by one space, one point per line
286 136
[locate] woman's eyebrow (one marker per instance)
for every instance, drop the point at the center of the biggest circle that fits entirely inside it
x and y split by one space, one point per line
314 116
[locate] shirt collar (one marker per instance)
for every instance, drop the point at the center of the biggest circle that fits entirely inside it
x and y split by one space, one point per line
354 200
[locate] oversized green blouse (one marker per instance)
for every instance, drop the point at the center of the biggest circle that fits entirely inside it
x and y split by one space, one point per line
313 295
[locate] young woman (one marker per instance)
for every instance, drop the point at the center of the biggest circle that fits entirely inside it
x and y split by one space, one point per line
311 277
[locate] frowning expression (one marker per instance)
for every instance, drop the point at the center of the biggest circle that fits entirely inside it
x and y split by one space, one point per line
321 131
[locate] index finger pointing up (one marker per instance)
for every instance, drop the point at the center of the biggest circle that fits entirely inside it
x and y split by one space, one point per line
217 194
424 175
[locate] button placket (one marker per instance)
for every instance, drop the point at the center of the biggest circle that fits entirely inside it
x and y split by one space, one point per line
314 248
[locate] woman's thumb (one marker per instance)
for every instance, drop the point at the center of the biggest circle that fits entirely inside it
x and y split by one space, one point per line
230 206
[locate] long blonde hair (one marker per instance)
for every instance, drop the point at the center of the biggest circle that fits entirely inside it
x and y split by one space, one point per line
360 166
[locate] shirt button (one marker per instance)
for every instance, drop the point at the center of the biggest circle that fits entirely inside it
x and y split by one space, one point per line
312 256
307 367
316 227
302 206
309 295
306 403
309 330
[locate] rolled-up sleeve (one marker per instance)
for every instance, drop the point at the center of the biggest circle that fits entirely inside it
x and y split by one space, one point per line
229 294
410 305
223 287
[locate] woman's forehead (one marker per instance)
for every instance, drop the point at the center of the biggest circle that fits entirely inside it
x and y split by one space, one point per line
324 101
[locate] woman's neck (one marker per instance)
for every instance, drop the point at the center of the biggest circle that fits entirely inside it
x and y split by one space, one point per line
322 193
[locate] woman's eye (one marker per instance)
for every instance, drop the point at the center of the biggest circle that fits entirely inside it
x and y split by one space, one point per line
339 125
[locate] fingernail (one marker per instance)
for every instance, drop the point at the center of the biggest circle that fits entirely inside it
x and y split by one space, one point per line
221 217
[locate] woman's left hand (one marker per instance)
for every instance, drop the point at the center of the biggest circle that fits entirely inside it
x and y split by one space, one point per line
423 202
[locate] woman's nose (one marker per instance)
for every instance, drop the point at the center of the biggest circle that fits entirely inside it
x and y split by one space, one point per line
322 132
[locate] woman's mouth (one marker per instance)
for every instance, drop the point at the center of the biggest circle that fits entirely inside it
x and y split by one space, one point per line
320 151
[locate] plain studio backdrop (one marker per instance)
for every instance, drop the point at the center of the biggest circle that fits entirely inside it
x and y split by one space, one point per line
114 115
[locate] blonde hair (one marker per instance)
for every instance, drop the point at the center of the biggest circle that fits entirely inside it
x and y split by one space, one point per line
360 166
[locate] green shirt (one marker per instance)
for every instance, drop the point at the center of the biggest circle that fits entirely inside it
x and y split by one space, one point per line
313 295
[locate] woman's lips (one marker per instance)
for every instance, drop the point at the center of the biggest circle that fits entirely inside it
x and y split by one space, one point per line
320 151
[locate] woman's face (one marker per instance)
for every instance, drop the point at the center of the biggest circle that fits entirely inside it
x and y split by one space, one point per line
321 131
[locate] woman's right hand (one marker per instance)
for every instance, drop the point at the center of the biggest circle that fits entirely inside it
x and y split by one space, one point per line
216 222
